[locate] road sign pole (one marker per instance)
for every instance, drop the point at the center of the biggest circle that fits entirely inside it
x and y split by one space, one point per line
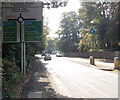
23 60
23 65
21 44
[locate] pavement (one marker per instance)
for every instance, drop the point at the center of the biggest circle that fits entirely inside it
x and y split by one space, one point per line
107 65
101 64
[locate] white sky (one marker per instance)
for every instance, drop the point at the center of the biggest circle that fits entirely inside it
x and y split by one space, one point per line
54 15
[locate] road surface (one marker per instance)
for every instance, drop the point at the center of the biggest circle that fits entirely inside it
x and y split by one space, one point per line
74 78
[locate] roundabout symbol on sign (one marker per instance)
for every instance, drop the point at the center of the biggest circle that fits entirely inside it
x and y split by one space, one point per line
20 19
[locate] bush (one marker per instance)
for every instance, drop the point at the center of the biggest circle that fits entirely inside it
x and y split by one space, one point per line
12 80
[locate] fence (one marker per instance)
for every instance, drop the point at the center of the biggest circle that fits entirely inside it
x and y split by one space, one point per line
96 54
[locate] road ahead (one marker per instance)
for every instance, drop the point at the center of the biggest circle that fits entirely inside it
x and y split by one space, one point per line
75 79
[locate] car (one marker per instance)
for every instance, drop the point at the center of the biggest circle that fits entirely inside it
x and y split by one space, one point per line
47 57
55 52
59 54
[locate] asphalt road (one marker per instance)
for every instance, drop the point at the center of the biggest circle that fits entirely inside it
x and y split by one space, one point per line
74 78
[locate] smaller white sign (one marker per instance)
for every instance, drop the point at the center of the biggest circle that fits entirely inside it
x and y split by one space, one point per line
28 10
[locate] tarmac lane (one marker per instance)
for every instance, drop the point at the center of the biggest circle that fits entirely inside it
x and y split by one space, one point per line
64 77
77 80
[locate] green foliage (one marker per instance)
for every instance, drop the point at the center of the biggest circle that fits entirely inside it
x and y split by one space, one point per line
11 52
51 45
12 80
88 42
45 33
68 36
30 51
104 18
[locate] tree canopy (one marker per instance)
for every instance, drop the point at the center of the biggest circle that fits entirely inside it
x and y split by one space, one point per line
103 17
69 38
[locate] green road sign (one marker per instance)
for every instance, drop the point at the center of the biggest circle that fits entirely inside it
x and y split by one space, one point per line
9 31
28 16
33 31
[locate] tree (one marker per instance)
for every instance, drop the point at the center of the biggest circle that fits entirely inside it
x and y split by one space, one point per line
52 45
69 33
104 18
108 27
90 18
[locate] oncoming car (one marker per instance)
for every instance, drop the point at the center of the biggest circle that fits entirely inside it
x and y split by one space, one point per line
59 54
47 57
55 52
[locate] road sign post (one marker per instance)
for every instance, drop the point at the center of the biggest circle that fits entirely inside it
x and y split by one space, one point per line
22 22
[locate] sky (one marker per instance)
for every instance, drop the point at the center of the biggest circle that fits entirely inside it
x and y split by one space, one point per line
54 15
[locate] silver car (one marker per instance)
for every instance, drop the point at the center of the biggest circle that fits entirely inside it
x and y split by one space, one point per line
47 57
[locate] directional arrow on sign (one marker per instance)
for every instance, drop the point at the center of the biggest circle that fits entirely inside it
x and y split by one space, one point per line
92 31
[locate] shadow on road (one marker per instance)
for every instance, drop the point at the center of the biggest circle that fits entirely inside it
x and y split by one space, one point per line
39 83
107 69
